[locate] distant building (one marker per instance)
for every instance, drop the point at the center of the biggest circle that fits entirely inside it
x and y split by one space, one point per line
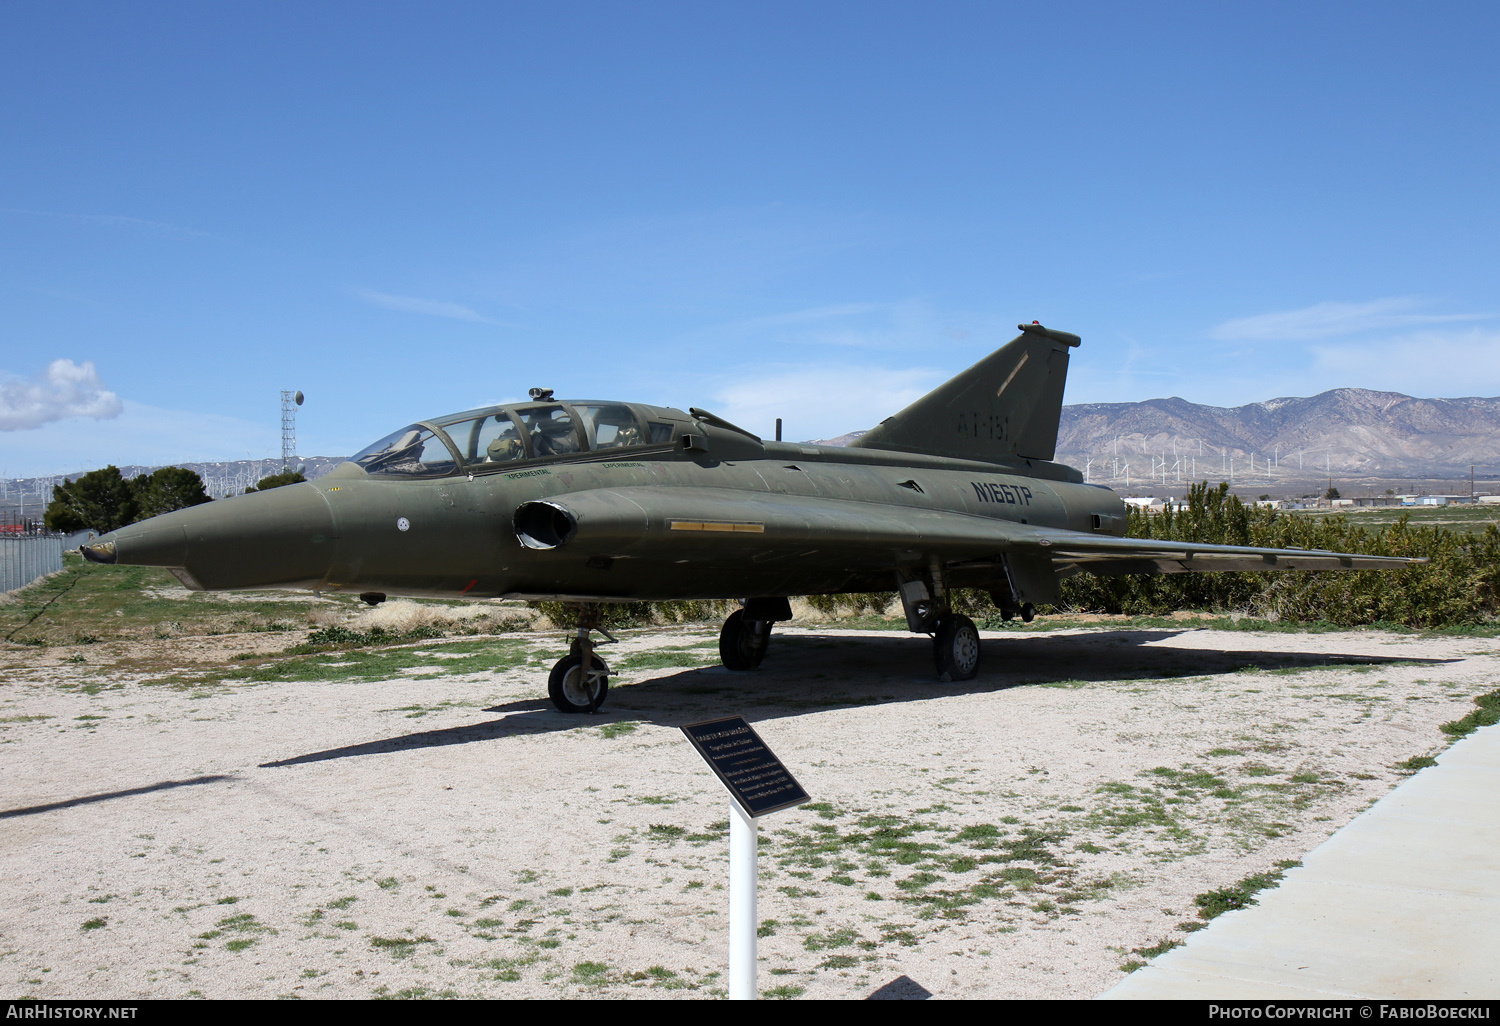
1439 500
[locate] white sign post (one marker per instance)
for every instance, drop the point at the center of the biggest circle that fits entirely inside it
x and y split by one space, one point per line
744 892
758 784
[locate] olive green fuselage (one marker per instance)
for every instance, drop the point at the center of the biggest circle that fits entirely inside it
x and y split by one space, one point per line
743 518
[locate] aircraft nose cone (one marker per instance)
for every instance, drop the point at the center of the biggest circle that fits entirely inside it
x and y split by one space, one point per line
158 541
280 537
99 552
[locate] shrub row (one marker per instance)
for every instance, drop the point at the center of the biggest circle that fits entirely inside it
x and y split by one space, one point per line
1458 587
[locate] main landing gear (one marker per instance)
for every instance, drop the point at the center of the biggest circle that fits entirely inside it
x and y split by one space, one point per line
747 633
572 688
955 639
743 643
955 648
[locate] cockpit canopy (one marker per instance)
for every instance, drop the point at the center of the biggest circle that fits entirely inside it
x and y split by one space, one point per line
504 434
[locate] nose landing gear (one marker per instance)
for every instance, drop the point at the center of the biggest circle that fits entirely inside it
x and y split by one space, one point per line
572 688
574 691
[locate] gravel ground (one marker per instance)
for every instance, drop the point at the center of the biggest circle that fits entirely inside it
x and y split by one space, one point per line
418 822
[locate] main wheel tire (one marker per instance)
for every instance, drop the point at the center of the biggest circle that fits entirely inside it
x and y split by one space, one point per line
955 648
567 688
743 643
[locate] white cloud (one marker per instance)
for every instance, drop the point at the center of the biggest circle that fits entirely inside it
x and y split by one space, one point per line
145 435
1432 364
65 390
430 307
1328 320
821 401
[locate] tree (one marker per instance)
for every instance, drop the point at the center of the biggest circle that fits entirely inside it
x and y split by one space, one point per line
100 500
167 489
286 477
1332 493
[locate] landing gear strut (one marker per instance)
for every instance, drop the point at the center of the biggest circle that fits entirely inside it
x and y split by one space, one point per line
572 688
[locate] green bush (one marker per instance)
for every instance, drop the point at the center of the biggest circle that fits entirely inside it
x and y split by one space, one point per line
1458 587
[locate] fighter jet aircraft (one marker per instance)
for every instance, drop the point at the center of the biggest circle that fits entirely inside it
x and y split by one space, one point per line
593 502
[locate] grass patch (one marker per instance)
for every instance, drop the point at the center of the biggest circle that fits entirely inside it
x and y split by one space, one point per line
590 973
833 939
93 604
399 947
1159 948
1488 714
666 658
386 663
1240 895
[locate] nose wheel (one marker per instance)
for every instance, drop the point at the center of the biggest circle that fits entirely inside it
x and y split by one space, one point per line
574 691
579 681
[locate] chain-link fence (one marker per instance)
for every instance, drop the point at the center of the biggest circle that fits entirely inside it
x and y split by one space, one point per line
24 559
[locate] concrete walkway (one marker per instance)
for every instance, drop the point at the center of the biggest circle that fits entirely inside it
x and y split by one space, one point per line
1404 902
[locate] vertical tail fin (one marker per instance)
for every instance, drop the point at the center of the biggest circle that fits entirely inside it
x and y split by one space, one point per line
1005 406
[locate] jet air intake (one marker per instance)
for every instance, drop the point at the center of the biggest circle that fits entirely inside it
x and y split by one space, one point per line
544 525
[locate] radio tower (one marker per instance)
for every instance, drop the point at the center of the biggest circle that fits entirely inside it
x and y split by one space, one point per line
290 400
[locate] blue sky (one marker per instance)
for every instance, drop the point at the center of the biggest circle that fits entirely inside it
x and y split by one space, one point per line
813 210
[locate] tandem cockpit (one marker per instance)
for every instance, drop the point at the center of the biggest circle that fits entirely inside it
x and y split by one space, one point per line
479 441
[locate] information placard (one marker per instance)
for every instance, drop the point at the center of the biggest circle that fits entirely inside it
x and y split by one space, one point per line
756 779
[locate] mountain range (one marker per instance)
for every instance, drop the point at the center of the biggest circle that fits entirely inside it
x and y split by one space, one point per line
1344 433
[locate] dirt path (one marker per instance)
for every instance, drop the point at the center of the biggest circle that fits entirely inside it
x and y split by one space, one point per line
427 826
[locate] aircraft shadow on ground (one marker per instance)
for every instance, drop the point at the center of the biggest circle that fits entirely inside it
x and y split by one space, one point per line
817 673
129 792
